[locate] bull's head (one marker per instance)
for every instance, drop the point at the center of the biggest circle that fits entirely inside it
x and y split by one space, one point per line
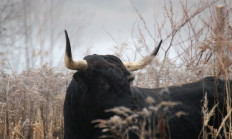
101 82
106 77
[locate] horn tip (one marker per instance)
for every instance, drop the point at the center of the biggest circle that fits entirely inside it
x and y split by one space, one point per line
66 33
68 46
157 48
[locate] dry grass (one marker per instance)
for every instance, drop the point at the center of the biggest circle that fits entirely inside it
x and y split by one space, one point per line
32 104
141 123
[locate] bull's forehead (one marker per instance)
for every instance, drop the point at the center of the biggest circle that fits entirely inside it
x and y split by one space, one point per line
100 61
103 59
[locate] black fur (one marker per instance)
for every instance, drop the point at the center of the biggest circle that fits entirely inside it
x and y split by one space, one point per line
91 92
105 85
190 97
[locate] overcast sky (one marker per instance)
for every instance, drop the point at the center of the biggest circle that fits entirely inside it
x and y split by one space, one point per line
113 16
95 24
89 22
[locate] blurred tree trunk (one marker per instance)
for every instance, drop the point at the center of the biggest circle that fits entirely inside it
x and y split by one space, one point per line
41 31
51 32
26 34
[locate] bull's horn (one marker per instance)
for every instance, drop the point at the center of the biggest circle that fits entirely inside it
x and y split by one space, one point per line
80 65
133 66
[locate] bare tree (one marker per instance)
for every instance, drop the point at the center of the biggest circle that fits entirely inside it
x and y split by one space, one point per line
9 12
30 30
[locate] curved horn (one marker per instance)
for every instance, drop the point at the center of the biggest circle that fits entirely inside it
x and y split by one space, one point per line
133 66
80 65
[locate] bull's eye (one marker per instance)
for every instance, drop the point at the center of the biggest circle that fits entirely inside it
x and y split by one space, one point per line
104 84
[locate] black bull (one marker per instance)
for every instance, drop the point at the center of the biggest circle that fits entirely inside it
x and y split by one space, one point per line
105 84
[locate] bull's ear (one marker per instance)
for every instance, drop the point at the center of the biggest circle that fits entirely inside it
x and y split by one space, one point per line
133 66
80 65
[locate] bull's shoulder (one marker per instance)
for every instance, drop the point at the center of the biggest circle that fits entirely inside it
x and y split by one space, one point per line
205 84
192 92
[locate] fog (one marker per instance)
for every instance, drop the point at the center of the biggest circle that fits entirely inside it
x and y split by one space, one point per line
32 31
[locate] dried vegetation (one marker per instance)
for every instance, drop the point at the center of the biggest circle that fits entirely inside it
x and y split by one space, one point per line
31 104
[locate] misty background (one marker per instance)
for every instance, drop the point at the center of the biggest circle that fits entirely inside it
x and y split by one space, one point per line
197 42
32 31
